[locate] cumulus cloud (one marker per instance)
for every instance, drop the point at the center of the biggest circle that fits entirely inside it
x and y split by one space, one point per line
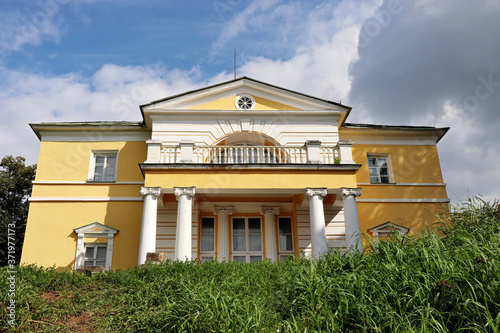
437 63
112 93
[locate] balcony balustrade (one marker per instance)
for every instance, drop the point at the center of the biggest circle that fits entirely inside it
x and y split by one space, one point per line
251 155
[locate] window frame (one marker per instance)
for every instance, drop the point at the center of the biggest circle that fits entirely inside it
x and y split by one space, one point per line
282 254
95 259
92 167
247 253
207 255
390 179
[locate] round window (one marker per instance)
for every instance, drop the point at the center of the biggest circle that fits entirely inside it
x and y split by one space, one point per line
244 102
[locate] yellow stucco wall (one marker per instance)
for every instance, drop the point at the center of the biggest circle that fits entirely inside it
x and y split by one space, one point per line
50 239
410 163
69 161
228 104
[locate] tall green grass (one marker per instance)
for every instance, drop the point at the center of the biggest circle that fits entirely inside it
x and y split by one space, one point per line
443 280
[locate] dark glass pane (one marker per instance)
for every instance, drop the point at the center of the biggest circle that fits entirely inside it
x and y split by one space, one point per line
89 263
374 180
254 243
373 172
254 225
101 252
285 226
371 161
207 226
239 258
382 162
207 243
239 243
99 160
100 263
89 252
384 180
255 258
238 226
286 243
383 171
111 161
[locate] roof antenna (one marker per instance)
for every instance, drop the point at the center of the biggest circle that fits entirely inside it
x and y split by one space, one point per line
235 63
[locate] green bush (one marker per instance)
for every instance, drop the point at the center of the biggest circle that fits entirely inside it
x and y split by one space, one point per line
442 280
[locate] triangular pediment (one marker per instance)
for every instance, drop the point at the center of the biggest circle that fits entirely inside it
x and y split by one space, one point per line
223 96
388 228
96 228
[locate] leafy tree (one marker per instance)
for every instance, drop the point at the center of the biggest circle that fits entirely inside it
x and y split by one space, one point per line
15 188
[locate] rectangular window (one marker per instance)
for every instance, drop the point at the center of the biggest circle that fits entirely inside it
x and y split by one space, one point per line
247 239
103 166
95 255
378 167
207 240
285 237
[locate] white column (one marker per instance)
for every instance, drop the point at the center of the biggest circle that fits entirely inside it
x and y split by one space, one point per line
183 241
352 230
148 228
317 217
223 232
270 231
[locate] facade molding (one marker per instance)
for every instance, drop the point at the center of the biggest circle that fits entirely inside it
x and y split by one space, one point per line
419 200
403 184
84 199
62 182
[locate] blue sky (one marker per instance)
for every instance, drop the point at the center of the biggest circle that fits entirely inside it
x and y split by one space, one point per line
418 62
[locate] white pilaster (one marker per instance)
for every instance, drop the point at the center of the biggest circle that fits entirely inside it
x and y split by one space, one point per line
270 231
223 232
317 217
183 242
148 228
109 251
352 230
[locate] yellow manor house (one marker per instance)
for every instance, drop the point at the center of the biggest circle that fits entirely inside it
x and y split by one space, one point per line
241 170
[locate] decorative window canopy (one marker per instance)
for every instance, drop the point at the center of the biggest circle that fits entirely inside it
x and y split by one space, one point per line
387 229
96 230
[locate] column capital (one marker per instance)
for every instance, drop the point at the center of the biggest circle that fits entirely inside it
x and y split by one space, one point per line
156 191
270 210
223 210
346 191
316 191
190 191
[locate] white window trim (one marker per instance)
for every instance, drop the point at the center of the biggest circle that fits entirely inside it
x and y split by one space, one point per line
247 254
207 254
389 166
91 174
95 230
386 229
94 244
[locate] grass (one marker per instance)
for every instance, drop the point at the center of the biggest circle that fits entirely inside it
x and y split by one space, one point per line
445 280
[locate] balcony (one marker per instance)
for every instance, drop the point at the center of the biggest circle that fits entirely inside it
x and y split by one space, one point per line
312 152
